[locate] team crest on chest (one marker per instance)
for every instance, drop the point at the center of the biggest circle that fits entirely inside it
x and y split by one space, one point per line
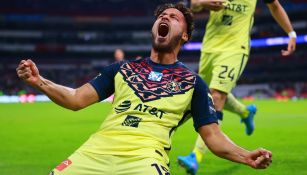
151 85
173 86
155 76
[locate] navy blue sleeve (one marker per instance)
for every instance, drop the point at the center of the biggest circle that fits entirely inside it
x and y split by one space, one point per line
202 108
104 82
268 1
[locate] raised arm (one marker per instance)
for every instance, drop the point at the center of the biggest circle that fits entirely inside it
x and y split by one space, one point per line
66 97
282 19
223 147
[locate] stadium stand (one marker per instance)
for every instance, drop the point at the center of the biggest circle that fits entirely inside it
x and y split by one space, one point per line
71 41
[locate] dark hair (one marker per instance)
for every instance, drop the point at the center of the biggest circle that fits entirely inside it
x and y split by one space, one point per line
187 13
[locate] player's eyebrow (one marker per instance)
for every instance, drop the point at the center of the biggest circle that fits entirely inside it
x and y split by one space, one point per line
170 14
174 15
163 13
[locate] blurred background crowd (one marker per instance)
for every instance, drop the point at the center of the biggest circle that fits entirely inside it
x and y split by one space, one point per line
71 40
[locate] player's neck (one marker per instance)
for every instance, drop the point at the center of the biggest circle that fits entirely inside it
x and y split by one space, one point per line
163 58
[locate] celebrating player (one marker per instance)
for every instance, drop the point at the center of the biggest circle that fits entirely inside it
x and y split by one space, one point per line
224 54
153 96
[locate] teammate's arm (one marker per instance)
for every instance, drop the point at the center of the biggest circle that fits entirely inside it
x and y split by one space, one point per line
215 5
66 97
223 147
282 19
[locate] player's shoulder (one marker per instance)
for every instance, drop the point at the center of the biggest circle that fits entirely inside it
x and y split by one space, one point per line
120 63
199 82
115 66
132 61
187 68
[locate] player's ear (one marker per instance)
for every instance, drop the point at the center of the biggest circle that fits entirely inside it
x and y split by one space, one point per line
185 37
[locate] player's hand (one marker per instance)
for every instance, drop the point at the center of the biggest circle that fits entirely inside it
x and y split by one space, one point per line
28 72
214 5
291 47
259 159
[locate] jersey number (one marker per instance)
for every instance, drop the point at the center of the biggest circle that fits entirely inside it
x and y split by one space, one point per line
165 170
230 74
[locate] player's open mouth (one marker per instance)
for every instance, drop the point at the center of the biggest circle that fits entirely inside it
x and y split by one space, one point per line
163 30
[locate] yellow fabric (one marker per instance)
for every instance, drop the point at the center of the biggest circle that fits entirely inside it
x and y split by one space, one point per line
235 106
199 149
229 29
221 70
152 136
98 164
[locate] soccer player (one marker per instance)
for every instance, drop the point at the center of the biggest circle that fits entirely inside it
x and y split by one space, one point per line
224 54
153 96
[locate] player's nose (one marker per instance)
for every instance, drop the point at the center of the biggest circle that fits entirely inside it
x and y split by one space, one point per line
165 18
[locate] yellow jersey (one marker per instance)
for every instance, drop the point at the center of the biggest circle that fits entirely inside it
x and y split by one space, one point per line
228 30
150 101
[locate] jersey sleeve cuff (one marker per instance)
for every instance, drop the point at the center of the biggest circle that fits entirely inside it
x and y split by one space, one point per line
205 122
101 95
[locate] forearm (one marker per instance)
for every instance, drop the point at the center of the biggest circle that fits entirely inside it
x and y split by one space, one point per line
61 95
222 146
225 148
281 17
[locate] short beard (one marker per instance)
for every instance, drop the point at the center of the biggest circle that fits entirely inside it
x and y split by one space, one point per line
166 48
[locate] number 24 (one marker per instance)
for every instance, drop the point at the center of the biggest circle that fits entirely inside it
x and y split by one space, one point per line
224 71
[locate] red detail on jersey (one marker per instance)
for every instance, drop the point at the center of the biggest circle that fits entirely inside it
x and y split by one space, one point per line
177 80
64 165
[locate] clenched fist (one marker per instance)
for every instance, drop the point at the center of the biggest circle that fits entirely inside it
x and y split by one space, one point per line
28 72
259 159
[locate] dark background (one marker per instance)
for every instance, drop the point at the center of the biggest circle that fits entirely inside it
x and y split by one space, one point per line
70 41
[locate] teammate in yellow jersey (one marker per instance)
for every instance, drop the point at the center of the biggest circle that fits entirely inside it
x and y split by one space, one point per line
153 96
224 54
